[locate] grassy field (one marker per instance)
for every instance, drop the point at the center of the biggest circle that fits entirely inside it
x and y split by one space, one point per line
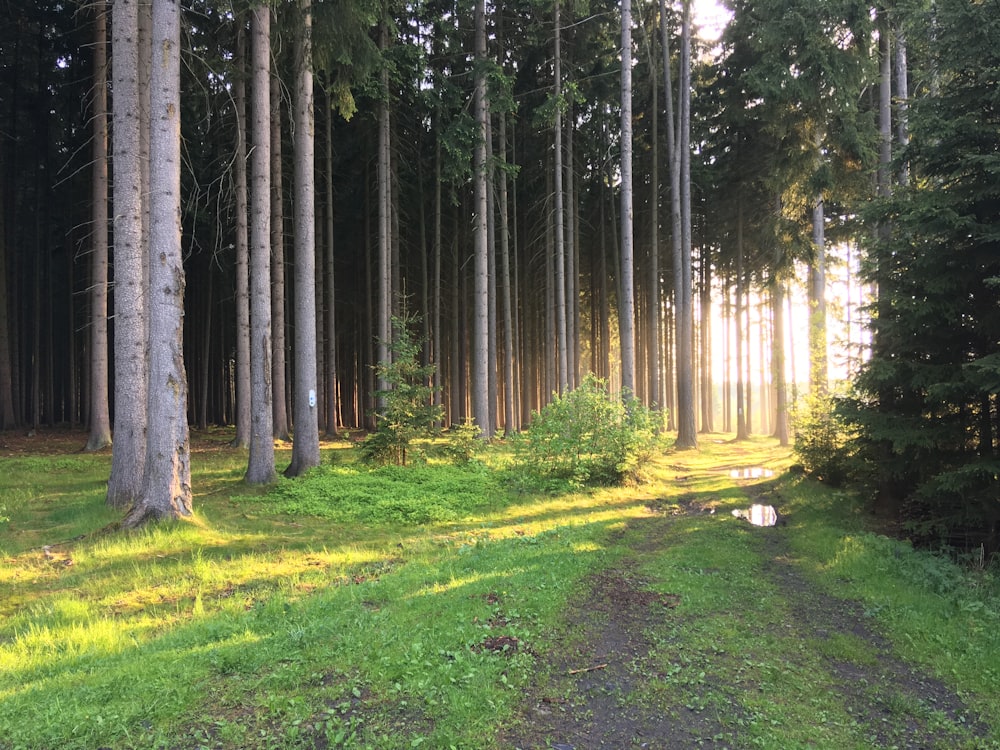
406 608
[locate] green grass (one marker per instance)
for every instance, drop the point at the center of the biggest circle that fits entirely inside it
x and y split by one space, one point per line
351 607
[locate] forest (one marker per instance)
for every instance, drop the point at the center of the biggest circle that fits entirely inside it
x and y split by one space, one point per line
224 213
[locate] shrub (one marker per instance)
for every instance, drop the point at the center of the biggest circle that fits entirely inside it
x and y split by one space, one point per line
823 439
408 412
462 442
587 436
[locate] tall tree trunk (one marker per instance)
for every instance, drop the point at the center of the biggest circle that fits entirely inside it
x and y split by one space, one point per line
572 260
511 424
439 358
128 455
562 371
260 465
887 496
491 277
707 389
818 370
334 415
741 330
206 349
8 417
480 333
680 214
242 438
626 314
902 101
305 449
384 301
653 335
279 390
167 483
100 414
727 355
780 410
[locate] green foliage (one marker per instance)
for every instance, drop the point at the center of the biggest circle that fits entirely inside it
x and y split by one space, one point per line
462 442
822 439
926 404
409 412
588 436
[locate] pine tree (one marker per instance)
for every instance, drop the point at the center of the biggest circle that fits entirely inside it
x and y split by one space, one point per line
928 402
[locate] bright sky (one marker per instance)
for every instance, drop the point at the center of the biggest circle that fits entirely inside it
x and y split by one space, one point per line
711 18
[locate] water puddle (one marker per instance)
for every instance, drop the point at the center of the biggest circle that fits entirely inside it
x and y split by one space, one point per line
759 515
755 472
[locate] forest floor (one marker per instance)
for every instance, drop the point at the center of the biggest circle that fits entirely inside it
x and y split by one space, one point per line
602 686
556 618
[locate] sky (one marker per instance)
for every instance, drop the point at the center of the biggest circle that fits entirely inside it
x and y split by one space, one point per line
711 18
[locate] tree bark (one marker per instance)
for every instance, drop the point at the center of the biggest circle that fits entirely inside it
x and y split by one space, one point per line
818 370
260 466
480 332
305 449
741 330
687 436
100 413
128 455
8 417
560 217
384 301
780 410
653 334
167 481
279 390
511 425
626 311
242 406
334 417
707 389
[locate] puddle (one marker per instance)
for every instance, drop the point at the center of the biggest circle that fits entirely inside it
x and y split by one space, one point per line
755 472
759 515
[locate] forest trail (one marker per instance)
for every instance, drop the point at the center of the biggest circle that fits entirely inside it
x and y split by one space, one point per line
632 670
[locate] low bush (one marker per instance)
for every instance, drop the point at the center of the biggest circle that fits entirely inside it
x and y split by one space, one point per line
823 440
407 410
588 436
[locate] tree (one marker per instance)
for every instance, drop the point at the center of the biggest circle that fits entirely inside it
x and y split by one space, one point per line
260 466
8 417
305 449
242 405
384 301
166 491
560 217
626 312
128 455
480 331
927 402
279 402
410 411
100 416
678 144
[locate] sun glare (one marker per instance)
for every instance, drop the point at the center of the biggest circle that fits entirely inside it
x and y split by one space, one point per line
711 18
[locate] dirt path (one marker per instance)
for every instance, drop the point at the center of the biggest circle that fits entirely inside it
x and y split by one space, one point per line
584 696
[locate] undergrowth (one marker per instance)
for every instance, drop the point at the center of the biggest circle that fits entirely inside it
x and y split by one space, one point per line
411 495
